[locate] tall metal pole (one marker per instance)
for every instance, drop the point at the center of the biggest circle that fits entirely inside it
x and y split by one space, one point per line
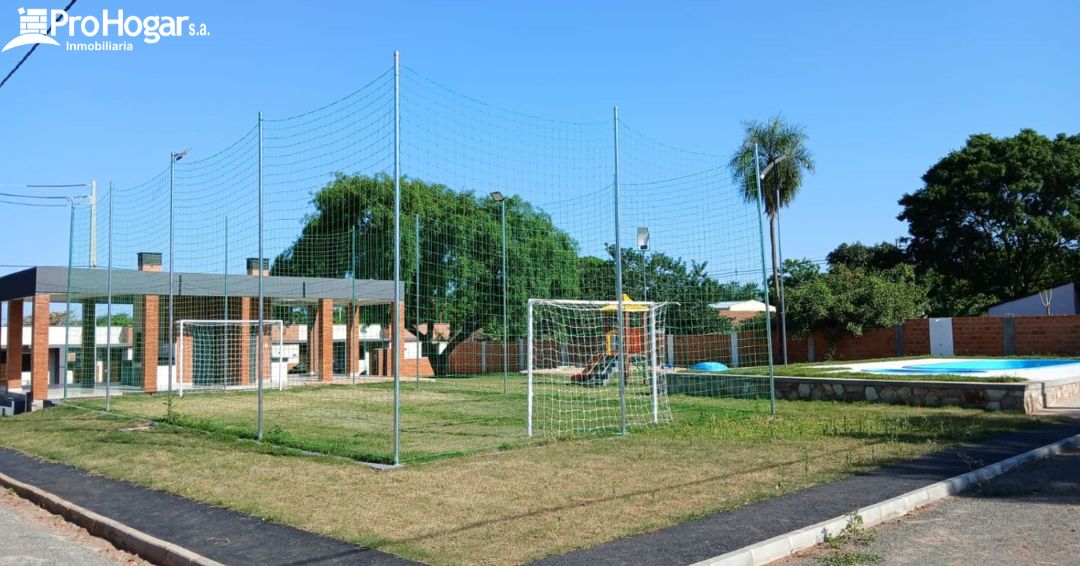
765 281
620 323
417 309
93 223
396 334
780 280
353 338
108 310
644 280
225 315
506 318
529 370
262 315
67 304
172 234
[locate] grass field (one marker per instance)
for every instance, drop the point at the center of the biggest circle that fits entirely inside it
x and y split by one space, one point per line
448 417
506 506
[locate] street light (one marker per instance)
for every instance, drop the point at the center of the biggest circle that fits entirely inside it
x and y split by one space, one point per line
780 259
174 156
643 245
499 198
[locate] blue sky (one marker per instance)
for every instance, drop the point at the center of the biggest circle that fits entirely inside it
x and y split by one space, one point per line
883 89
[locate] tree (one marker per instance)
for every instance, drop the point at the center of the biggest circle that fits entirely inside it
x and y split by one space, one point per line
460 254
858 255
998 218
118 319
775 139
688 286
851 299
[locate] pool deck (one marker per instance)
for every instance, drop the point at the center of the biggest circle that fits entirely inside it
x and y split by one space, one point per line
1052 373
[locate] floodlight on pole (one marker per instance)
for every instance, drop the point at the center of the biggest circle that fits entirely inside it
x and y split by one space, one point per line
501 199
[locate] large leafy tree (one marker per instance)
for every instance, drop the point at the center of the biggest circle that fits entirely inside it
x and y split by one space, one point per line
851 300
460 254
997 218
775 140
688 286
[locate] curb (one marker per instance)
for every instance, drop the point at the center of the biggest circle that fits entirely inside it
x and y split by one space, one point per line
786 544
120 535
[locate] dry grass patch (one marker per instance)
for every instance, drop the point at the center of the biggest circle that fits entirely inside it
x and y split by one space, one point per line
514 506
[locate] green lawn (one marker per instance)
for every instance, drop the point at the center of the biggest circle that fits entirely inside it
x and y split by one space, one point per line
501 506
438 419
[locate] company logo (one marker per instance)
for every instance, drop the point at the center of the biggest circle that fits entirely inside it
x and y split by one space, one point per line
33 25
109 32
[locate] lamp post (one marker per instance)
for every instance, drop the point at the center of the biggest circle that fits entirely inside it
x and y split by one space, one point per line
173 158
780 258
643 245
501 199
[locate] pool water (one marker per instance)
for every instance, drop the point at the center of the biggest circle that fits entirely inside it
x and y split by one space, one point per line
974 366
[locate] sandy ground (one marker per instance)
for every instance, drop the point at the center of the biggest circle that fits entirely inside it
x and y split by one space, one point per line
1028 516
33 536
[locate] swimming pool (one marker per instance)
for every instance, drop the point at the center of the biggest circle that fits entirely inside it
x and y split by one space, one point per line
972 366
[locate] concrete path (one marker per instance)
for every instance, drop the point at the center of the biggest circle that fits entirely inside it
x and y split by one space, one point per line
225 536
717 534
33 536
1067 408
1028 516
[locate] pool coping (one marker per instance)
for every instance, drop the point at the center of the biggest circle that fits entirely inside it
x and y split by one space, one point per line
1028 396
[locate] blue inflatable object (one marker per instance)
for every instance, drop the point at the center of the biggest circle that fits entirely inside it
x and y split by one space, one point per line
709 366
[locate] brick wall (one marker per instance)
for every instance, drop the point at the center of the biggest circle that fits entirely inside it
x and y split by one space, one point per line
978 336
917 337
1052 335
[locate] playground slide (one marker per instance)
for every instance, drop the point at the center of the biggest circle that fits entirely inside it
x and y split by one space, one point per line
598 372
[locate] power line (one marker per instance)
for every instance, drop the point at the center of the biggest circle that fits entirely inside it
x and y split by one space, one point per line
34 204
32 49
41 197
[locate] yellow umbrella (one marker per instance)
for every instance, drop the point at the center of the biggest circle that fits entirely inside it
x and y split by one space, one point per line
628 306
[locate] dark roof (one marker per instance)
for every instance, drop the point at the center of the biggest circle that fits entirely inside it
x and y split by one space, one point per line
86 283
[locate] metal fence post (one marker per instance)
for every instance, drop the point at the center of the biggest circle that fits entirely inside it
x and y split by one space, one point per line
621 358
765 281
108 311
396 315
259 342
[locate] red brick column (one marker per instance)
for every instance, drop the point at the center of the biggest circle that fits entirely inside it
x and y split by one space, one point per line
246 335
352 337
39 351
146 318
398 357
14 344
324 339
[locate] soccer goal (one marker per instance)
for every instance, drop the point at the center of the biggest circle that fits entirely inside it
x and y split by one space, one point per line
221 354
580 377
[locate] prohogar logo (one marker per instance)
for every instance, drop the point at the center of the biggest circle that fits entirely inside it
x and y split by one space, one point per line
109 32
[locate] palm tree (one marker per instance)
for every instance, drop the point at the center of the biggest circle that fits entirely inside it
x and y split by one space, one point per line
775 139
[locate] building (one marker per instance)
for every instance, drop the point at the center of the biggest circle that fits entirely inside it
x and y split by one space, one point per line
139 353
739 311
1062 300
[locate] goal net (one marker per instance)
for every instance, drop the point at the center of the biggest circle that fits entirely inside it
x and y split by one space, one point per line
581 379
222 354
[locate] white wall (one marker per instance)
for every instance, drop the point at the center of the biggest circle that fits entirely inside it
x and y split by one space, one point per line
1062 302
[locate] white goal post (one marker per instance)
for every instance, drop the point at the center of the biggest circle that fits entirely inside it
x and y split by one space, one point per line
582 379
221 354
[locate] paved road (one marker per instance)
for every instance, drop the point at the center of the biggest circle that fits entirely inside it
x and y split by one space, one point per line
1028 516
32 536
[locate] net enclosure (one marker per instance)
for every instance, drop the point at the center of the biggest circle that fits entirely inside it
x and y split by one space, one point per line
388 244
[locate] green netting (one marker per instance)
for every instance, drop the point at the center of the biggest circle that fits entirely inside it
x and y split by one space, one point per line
496 208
